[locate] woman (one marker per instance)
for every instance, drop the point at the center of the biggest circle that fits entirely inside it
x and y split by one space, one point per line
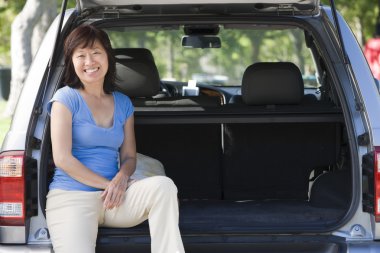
92 134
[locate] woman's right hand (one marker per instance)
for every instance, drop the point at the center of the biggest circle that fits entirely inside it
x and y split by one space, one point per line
114 194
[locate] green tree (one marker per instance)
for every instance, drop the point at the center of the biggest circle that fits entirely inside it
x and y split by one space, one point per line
27 31
361 16
8 11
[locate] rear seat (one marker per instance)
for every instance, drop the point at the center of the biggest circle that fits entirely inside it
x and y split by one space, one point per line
273 159
271 141
190 153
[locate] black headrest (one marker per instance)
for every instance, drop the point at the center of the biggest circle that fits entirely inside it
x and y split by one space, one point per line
272 83
136 72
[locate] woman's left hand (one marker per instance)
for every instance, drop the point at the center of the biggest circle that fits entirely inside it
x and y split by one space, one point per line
114 195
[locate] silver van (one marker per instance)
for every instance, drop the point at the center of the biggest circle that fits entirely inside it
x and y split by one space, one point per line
264 113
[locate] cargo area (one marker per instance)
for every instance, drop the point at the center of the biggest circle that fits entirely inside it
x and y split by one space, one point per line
267 166
267 153
283 176
282 171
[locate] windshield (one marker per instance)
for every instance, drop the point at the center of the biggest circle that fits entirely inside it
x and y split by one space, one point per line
224 66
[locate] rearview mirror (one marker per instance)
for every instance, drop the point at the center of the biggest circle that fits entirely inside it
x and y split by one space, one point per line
201 41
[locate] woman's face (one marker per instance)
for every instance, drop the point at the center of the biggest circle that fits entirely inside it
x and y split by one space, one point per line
90 63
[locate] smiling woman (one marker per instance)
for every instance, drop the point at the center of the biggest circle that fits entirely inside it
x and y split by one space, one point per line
94 151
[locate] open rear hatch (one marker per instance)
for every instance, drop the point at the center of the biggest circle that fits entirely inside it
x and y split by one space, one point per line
262 7
226 225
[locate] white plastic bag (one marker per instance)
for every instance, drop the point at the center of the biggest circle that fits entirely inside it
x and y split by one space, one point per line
147 166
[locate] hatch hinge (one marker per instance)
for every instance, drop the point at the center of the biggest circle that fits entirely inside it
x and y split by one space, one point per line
285 9
110 13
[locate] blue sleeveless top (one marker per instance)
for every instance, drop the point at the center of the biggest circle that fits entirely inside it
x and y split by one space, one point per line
96 147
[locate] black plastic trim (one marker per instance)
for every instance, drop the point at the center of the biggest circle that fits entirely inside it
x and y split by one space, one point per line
193 117
229 243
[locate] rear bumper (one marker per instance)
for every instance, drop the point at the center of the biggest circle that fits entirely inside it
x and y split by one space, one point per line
26 249
351 247
363 247
12 234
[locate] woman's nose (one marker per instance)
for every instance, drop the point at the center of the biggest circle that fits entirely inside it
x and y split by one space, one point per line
89 59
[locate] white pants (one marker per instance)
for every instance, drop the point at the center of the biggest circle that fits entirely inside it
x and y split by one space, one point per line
73 217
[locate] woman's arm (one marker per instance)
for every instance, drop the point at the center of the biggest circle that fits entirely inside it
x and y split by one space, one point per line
128 149
61 138
114 194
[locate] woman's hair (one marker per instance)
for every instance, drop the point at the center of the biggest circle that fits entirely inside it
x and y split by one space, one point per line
84 36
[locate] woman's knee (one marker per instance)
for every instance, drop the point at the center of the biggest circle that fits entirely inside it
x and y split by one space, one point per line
72 219
164 184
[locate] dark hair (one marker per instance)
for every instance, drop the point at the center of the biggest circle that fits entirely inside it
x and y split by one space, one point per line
86 35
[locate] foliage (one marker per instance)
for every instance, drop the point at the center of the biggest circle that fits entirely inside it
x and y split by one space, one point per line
15 5
8 11
4 122
240 48
362 13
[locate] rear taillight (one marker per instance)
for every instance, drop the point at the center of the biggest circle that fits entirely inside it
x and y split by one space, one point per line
12 189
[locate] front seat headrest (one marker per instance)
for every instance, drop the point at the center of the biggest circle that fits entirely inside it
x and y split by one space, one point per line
272 83
136 72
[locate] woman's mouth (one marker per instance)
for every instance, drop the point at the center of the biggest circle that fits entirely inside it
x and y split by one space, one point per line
91 70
